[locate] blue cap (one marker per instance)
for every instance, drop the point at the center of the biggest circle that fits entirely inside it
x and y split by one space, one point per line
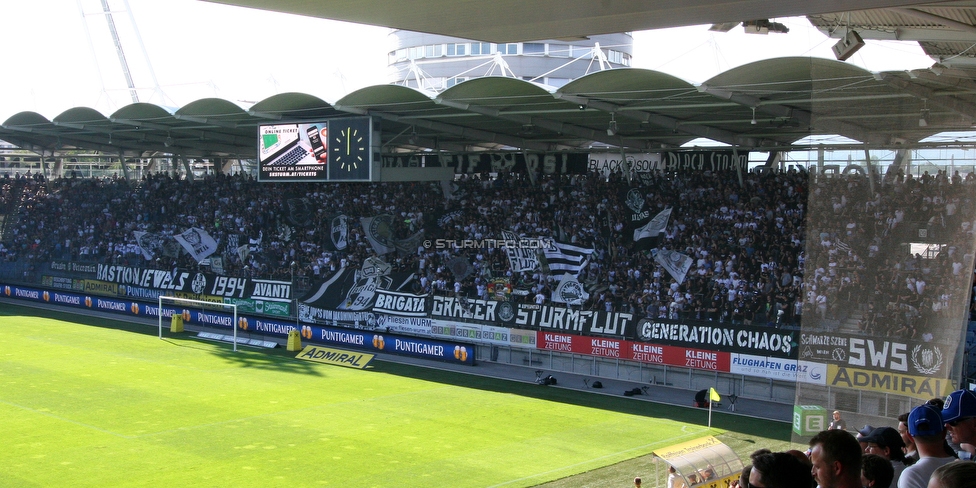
959 404
864 432
925 420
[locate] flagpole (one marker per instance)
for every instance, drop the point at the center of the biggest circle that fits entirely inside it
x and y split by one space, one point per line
710 413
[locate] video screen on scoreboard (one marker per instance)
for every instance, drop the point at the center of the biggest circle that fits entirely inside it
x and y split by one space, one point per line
337 149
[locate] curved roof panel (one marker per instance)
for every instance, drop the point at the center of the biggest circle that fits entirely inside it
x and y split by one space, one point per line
767 104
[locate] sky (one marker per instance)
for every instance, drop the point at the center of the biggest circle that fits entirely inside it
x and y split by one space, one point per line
58 54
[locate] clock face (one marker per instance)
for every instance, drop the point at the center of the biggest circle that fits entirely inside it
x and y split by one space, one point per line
349 149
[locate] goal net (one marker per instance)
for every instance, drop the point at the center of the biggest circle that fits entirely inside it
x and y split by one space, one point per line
185 306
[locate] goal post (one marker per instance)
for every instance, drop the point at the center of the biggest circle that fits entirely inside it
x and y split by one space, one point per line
199 304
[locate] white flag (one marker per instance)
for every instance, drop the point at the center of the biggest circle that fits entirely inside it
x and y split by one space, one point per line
675 263
197 243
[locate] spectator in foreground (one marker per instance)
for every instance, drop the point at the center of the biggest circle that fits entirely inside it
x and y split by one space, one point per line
836 457
887 443
958 413
954 475
779 470
925 426
876 471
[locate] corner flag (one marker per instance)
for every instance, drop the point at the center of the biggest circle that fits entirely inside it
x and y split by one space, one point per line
713 395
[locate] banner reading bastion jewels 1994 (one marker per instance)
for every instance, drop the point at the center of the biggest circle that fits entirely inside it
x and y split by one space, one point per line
884 313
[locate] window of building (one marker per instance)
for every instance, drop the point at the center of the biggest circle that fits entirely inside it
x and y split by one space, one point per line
533 48
510 48
479 48
583 52
457 49
559 50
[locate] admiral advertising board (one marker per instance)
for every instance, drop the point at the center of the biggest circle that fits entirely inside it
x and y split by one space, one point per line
743 339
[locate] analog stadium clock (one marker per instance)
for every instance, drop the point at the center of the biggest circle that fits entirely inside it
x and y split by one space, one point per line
349 148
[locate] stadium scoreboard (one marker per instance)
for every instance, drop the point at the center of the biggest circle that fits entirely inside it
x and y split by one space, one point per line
327 150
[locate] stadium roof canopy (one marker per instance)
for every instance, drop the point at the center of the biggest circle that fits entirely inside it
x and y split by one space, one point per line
764 105
515 20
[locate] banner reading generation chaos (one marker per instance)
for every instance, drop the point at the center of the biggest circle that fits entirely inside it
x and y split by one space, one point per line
338 149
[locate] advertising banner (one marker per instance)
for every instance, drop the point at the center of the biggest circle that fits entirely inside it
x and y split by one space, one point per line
920 387
763 366
629 350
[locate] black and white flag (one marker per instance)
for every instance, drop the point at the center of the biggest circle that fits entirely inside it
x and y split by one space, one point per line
566 258
676 263
149 244
520 258
646 236
197 243
379 233
338 233
570 291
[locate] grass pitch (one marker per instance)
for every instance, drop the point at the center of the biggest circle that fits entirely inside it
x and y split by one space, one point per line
83 405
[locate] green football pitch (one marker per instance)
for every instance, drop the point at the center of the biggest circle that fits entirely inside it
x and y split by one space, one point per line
93 402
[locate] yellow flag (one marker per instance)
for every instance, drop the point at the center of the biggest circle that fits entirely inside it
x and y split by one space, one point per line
713 395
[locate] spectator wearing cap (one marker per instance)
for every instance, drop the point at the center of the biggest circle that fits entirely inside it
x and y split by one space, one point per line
958 413
926 428
862 434
885 442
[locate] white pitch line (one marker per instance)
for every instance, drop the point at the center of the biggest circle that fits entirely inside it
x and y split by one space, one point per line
75 422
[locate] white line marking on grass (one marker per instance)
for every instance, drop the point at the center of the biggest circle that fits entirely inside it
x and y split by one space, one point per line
75 422
663 442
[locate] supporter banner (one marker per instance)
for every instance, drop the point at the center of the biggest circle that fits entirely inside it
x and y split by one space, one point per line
763 366
337 318
585 322
607 164
508 162
672 161
745 339
403 304
351 289
77 270
197 283
920 387
491 311
895 356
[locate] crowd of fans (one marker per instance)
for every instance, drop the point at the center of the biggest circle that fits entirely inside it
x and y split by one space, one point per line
746 236
933 446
